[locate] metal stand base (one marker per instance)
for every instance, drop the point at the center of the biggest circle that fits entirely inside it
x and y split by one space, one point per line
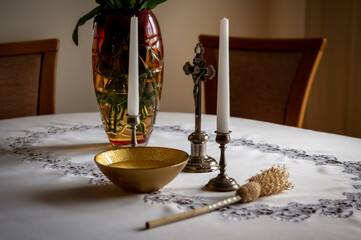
196 165
199 161
133 121
222 183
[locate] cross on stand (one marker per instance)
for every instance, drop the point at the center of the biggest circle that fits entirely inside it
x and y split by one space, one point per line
198 160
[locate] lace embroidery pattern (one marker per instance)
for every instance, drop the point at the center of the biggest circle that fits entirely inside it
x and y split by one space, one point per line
293 212
23 147
319 159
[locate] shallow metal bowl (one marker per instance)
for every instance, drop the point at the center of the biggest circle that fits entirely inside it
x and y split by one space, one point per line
141 169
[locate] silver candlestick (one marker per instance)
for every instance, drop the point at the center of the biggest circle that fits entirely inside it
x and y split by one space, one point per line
199 161
222 183
133 121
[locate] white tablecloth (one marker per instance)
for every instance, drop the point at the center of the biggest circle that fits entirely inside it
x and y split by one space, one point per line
50 187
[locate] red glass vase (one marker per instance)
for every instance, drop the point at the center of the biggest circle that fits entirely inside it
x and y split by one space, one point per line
110 57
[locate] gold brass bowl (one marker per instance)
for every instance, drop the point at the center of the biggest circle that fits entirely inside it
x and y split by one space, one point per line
141 169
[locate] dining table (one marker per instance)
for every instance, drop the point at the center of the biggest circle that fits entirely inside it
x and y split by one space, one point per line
51 188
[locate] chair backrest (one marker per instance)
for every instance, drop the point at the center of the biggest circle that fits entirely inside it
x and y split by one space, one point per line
270 79
27 78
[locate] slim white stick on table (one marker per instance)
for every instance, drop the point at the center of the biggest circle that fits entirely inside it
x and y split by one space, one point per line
268 182
223 112
133 74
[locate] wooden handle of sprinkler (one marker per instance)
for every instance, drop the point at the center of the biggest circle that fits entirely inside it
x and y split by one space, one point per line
245 193
191 213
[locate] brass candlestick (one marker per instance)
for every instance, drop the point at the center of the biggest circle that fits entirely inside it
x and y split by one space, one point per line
199 161
133 121
222 183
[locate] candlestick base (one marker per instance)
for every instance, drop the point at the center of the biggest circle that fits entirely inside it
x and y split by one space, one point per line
222 183
133 121
199 161
201 165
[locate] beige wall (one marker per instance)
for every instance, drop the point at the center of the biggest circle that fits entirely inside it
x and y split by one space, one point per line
285 18
22 20
181 22
335 100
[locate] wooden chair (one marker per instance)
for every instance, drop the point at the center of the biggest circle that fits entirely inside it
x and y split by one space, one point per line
27 78
270 79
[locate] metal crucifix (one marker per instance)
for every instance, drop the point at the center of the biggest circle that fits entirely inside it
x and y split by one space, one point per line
199 73
198 159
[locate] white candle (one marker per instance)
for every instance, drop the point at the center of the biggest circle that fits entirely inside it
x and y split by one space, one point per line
133 74
223 79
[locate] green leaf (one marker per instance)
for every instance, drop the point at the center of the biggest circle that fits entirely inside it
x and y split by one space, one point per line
118 3
150 4
132 3
83 20
111 3
139 4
